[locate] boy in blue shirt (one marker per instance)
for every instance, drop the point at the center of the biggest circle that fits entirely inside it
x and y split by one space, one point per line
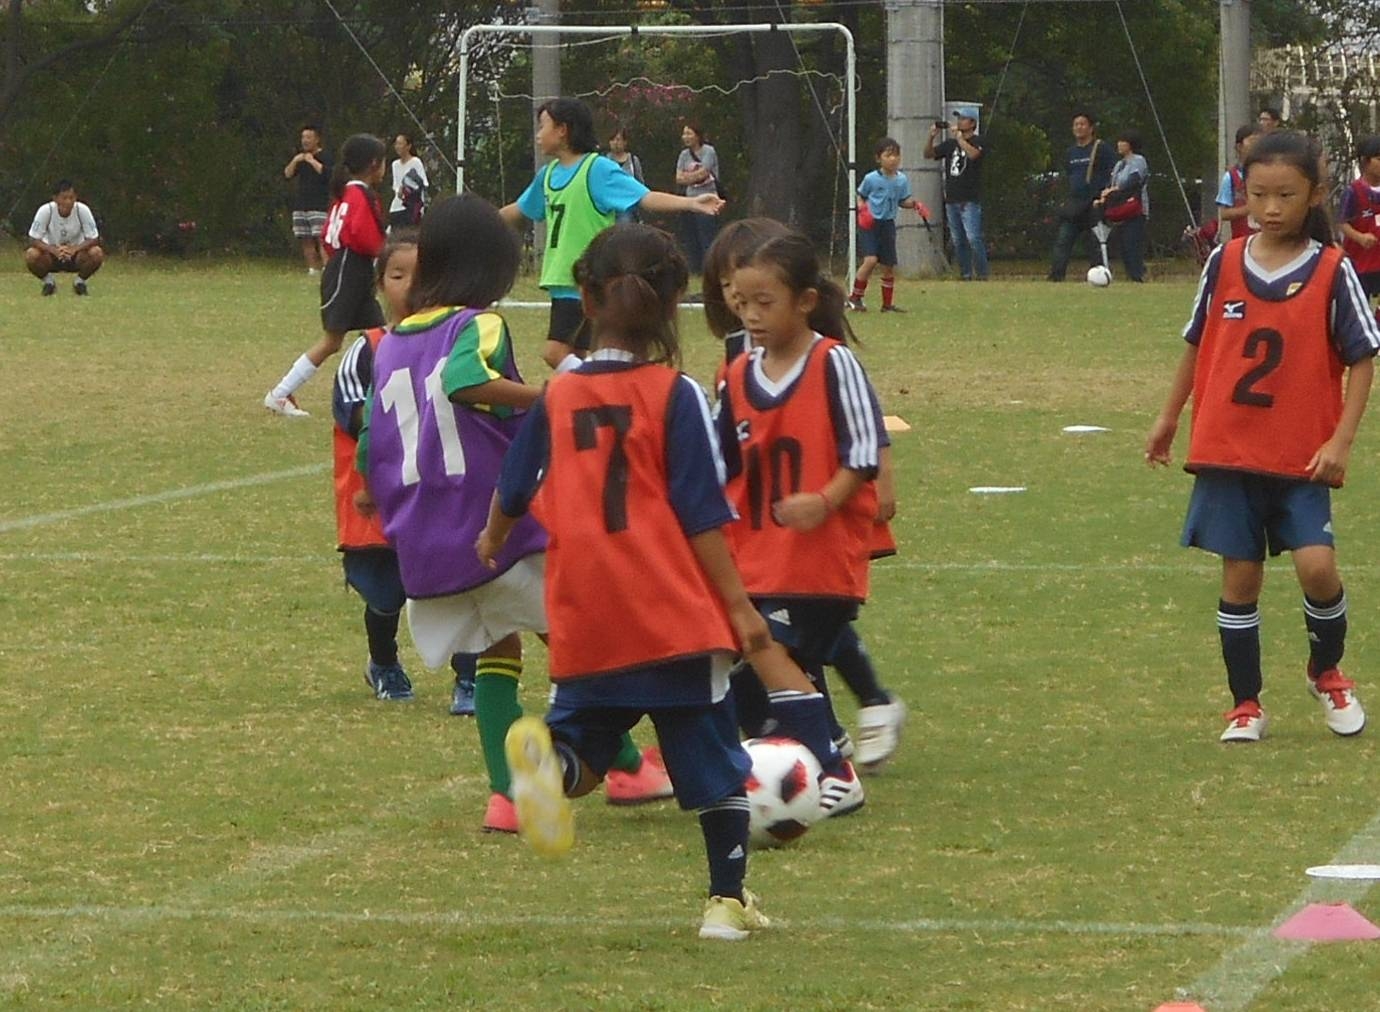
885 189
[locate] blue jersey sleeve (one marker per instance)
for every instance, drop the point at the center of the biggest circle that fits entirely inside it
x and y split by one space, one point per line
1225 198
525 463
1193 329
532 203
727 430
612 189
855 412
695 470
1355 331
868 185
352 381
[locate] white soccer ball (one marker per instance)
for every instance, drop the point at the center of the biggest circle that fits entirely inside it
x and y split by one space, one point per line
1099 276
782 790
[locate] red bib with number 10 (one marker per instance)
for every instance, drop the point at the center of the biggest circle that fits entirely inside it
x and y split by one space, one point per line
623 586
1267 386
789 447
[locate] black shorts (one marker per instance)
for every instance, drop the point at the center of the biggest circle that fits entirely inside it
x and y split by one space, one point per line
568 324
347 294
879 241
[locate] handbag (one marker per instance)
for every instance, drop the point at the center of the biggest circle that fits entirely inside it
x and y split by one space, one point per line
719 189
1124 211
865 219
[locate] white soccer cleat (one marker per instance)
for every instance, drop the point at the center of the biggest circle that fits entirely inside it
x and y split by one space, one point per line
285 406
840 794
879 732
1245 723
1334 691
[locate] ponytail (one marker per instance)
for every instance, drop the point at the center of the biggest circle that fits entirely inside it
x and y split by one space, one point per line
829 317
631 277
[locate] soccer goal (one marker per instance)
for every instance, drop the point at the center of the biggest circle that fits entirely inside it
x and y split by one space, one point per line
648 78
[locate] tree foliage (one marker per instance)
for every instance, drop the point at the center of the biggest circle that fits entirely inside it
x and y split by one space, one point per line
176 118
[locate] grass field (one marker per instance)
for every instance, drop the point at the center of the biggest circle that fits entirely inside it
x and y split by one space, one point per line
203 807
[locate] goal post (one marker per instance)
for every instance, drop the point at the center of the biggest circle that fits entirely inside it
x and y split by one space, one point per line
705 31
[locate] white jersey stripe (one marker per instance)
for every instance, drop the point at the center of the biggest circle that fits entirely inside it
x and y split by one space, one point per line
1197 318
710 430
857 406
347 377
1360 305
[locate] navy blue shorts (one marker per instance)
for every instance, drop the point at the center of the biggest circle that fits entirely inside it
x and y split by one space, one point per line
373 573
1239 516
809 628
568 325
699 744
879 241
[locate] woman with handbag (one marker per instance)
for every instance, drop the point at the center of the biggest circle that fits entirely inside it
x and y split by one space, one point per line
697 169
1125 203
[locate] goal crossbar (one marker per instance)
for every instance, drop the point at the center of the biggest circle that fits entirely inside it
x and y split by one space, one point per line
617 31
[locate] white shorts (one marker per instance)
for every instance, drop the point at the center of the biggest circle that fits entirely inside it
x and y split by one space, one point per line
474 620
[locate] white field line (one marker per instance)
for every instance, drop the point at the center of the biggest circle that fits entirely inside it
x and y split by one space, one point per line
1243 972
171 495
133 915
21 963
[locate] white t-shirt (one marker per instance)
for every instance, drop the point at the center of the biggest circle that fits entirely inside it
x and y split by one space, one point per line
55 230
400 171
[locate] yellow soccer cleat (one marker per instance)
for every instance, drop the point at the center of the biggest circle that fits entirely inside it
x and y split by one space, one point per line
728 920
544 816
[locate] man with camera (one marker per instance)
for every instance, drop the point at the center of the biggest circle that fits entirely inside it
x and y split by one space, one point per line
961 153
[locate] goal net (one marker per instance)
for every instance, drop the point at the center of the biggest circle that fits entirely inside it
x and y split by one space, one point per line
774 100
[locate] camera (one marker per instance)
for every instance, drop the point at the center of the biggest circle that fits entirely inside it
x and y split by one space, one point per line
939 124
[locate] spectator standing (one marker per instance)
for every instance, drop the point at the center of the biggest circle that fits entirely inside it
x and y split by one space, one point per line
311 168
961 154
629 163
64 237
1088 170
410 184
1125 203
697 169
1269 120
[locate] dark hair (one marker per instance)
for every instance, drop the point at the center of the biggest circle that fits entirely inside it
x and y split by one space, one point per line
400 238
793 258
631 277
1289 147
578 121
1242 132
312 127
735 241
1272 112
1133 138
699 132
467 255
411 145
1092 120
1368 148
357 154
619 131
886 144
62 186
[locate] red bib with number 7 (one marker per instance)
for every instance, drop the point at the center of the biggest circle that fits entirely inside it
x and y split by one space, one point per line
624 589
790 446
1267 385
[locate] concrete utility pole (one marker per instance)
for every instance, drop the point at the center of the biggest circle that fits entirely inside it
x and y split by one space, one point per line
914 100
546 81
1234 88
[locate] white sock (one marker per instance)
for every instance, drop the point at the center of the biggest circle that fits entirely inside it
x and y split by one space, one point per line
571 361
48 279
301 371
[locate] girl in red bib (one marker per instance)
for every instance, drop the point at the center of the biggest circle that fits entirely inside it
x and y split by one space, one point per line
1279 318
619 460
802 433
